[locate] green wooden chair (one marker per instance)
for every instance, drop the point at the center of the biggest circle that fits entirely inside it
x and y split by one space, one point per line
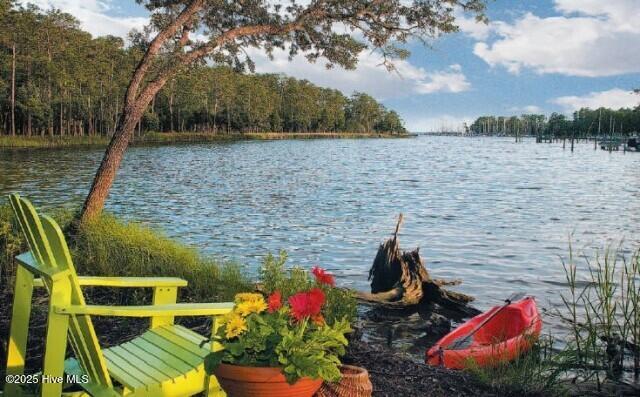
166 360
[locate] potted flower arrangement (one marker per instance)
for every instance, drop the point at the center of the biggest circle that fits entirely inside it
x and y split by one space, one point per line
278 345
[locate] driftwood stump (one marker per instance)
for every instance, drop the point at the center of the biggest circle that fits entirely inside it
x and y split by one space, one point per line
400 279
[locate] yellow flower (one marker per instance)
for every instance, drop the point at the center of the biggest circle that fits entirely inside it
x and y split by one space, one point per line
248 297
225 319
247 303
235 325
254 306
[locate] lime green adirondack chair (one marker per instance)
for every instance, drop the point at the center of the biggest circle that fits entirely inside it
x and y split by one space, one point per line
166 360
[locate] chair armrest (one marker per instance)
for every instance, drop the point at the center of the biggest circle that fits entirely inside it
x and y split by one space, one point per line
126 282
176 309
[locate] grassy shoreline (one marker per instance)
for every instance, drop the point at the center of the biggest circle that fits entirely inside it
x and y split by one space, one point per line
140 251
56 142
607 307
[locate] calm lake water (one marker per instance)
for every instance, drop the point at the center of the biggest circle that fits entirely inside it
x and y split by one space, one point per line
497 214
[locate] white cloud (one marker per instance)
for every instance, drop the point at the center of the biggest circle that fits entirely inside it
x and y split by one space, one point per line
370 76
623 13
592 38
471 27
451 80
93 16
615 99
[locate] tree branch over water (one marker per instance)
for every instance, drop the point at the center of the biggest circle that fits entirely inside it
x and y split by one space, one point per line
231 27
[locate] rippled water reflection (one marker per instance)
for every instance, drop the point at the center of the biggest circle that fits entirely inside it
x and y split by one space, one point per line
489 211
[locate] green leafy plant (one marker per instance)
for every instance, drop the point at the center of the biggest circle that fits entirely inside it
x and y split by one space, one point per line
291 334
274 276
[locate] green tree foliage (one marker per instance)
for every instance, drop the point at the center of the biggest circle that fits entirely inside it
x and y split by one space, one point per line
363 112
584 123
218 99
68 83
529 124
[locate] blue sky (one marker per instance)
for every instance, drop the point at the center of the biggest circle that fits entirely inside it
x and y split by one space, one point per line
533 56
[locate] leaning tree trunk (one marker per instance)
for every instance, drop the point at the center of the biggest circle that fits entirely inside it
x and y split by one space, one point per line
137 100
111 161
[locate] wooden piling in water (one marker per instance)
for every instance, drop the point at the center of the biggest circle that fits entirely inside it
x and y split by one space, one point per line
572 138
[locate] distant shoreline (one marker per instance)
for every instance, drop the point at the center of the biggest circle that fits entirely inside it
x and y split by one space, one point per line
57 142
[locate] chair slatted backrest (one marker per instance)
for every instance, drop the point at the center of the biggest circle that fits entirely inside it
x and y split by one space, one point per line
49 248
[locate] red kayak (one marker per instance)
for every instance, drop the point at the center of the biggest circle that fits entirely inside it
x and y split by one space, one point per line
510 333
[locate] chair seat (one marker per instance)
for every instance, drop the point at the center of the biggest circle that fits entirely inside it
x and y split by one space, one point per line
158 361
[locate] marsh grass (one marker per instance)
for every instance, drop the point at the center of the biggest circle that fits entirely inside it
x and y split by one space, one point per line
36 142
537 372
321 135
603 314
601 308
46 142
109 247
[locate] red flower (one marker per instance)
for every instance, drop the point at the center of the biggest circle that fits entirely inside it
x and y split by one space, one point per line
306 304
274 301
323 277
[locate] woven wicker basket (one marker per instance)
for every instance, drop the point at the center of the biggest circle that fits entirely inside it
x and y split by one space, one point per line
354 383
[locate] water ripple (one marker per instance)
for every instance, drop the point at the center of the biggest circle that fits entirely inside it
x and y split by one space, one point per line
495 214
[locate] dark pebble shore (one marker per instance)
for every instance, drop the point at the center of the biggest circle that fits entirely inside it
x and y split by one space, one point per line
394 374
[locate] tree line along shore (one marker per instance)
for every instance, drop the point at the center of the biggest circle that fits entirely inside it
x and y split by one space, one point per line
584 123
58 81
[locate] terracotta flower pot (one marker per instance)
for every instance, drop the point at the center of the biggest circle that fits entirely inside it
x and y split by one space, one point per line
239 381
354 383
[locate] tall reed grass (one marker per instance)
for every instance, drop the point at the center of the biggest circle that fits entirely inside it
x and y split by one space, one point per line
538 372
603 314
601 309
